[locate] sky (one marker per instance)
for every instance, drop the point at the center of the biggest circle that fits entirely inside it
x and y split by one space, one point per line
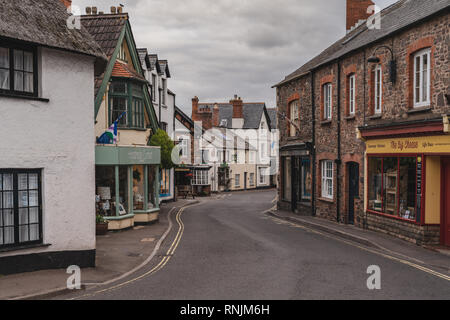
219 48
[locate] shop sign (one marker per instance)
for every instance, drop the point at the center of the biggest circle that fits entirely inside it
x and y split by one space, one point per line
433 144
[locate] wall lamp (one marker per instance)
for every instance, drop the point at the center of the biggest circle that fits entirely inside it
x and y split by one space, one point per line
392 63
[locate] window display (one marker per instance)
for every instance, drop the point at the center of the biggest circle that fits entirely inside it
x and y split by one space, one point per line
151 187
392 186
138 187
287 190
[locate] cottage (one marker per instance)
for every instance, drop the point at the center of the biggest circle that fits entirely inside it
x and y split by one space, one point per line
47 161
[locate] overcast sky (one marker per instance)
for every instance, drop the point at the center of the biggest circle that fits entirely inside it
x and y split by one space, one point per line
218 48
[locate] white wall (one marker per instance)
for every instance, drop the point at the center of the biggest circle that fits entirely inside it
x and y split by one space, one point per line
57 136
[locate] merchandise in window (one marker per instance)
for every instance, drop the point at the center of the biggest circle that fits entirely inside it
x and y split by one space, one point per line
287 189
306 179
138 187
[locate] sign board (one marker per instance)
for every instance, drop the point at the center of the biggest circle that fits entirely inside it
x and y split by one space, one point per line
431 144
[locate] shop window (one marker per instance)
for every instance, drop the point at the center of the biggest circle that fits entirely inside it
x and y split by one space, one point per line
306 179
237 180
151 187
105 190
165 182
392 186
200 178
422 78
20 207
327 179
286 183
252 179
138 187
262 175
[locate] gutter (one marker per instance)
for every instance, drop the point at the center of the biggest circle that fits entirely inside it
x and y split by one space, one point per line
338 160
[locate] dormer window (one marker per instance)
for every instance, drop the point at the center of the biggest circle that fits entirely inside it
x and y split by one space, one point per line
18 74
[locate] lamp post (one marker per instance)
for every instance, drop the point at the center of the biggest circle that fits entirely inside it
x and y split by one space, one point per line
392 63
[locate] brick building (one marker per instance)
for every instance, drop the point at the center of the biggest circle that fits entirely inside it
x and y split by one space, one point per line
372 120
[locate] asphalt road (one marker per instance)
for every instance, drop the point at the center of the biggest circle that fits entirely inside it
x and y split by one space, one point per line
230 249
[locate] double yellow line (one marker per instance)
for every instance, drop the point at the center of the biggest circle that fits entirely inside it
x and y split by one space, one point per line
158 267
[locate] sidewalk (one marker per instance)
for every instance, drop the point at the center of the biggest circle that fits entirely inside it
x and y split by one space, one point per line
437 257
117 253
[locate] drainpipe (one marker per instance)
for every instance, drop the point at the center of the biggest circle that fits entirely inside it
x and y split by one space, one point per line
313 147
159 104
338 160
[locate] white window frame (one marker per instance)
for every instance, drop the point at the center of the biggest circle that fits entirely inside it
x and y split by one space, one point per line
154 86
328 101
252 179
352 94
237 180
327 179
200 178
378 89
419 100
262 176
183 147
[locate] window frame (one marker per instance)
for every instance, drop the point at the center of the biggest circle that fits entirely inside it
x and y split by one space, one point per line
237 180
352 94
325 170
15 190
200 178
328 101
420 54
378 89
135 104
294 115
12 46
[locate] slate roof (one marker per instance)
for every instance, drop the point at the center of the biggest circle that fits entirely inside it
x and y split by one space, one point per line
273 118
154 63
143 56
394 18
164 67
44 22
252 113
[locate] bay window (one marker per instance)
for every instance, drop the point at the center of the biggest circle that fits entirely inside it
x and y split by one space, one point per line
20 207
127 100
392 183
422 78
327 179
18 70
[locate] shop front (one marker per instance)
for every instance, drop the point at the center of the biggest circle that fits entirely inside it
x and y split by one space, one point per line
127 185
406 187
296 179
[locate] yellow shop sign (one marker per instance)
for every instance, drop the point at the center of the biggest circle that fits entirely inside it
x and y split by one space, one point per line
432 144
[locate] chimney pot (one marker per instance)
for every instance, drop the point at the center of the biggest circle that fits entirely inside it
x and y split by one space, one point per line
94 10
113 10
119 9
88 10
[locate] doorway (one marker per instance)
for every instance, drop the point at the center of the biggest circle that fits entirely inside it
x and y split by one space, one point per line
353 189
245 180
445 228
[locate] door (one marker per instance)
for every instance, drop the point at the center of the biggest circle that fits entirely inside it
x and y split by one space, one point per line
245 181
295 182
353 189
446 202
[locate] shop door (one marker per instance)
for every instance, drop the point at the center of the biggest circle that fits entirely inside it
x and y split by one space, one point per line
446 194
353 189
295 182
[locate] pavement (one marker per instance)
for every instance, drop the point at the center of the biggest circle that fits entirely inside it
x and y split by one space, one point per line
231 248
116 254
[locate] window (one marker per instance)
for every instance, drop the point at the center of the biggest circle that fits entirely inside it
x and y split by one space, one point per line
154 86
122 53
205 156
18 71
237 180
392 186
138 187
183 147
306 179
127 103
164 91
327 101
252 157
262 175
252 179
20 207
200 178
378 83
422 78
164 126
165 182
327 179
294 117
287 178
351 94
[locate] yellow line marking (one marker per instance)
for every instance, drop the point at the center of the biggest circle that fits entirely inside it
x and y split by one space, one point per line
416 266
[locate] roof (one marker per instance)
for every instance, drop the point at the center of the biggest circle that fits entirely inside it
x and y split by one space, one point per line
105 29
273 118
154 62
44 22
394 18
122 70
164 67
252 113
143 56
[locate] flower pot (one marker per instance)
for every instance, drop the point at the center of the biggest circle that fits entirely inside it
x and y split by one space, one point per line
101 229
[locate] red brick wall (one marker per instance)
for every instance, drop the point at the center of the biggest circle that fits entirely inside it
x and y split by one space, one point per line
357 10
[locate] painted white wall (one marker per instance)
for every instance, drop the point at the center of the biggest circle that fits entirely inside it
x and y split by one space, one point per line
58 137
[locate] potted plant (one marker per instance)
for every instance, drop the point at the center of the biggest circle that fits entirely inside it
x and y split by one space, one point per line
101 226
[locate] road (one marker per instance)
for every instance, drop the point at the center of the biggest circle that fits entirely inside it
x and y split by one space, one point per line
229 249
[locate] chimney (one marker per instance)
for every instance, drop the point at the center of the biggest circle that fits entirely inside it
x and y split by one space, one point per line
113 10
238 112
88 10
94 10
119 9
357 11
194 108
215 119
67 3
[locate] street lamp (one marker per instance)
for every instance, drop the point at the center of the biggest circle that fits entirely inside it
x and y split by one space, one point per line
392 63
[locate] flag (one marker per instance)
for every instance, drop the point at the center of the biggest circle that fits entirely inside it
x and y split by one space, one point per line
110 135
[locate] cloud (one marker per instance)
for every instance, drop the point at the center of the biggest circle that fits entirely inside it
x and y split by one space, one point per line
224 47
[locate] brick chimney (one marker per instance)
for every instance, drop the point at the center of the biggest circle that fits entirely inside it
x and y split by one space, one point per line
356 11
238 112
67 3
215 118
194 108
